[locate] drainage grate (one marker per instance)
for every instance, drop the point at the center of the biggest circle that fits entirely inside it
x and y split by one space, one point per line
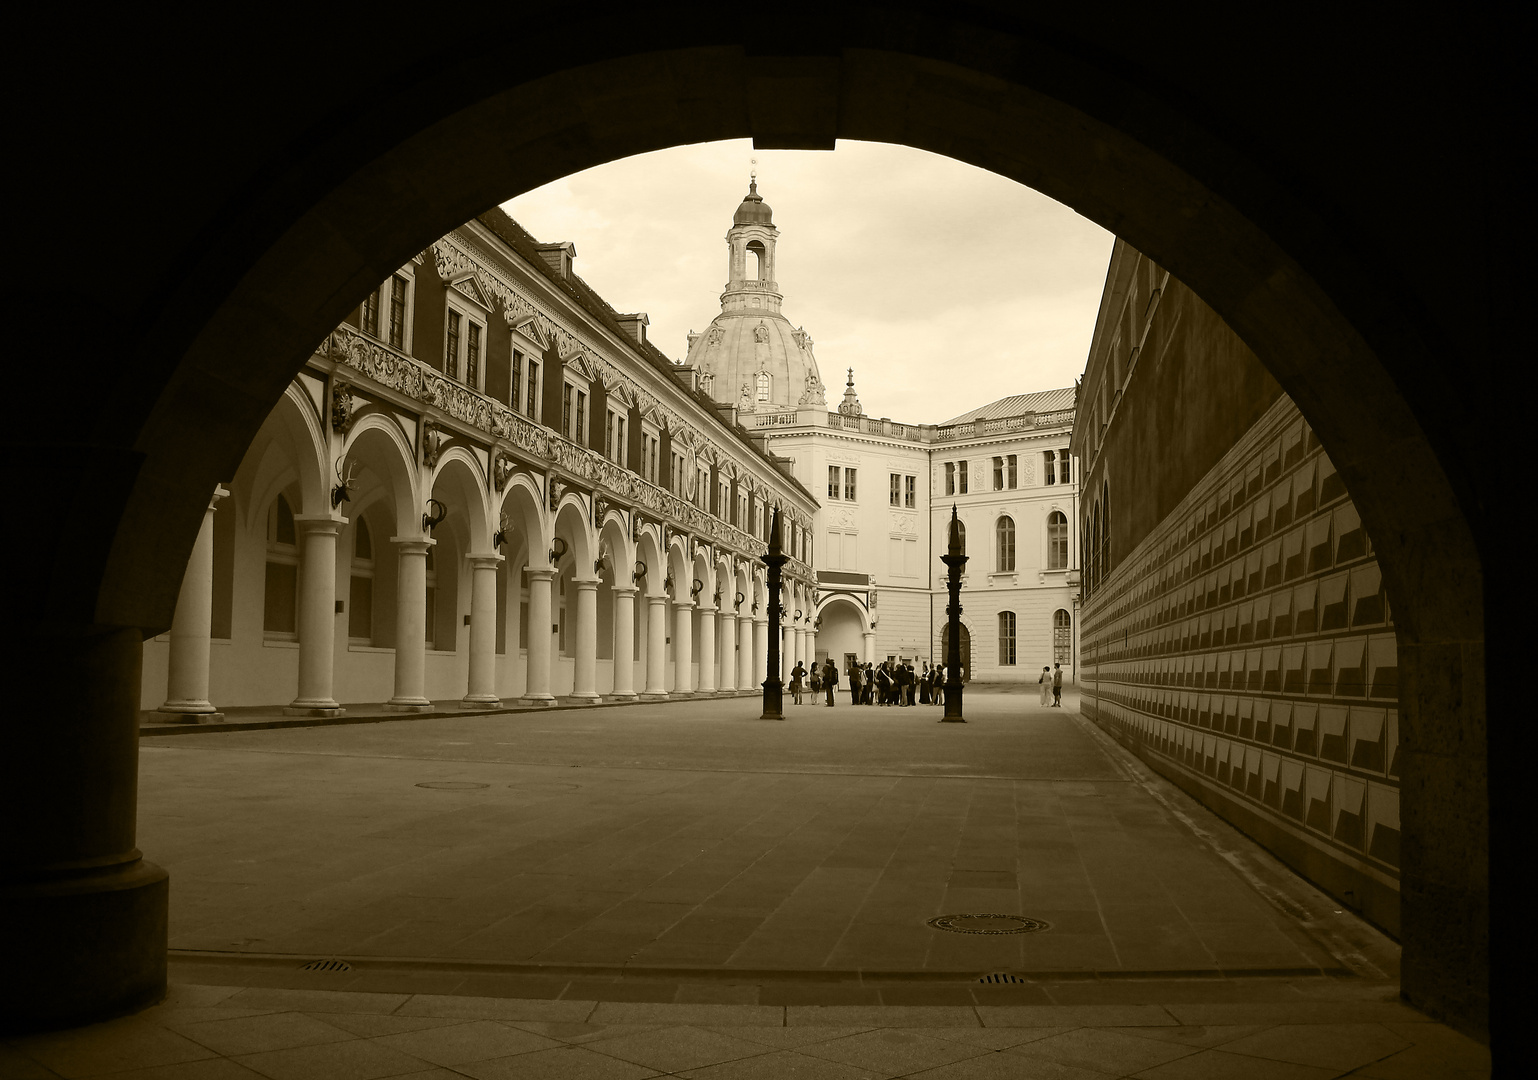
453 785
1001 977
327 965
987 923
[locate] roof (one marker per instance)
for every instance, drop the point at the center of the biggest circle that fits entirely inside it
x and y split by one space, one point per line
1041 401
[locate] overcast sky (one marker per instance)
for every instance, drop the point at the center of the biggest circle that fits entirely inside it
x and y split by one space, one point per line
944 286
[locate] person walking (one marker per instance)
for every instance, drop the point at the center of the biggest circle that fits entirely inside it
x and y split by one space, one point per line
1046 685
797 673
1057 686
856 684
829 680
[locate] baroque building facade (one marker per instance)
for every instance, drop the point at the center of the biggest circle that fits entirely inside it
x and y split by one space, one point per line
886 489
1237 633
485 485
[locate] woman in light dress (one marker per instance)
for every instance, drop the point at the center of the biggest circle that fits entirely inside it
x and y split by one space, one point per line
1046 685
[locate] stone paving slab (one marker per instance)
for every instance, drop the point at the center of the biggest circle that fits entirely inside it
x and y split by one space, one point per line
691 835
298 1034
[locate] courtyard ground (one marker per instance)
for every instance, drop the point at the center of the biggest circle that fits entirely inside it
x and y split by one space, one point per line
683 889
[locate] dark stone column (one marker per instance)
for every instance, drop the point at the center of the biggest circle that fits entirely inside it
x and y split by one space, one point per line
774 687
954 558
82 915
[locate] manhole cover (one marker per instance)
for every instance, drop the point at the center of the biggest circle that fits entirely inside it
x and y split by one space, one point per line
327 965
1001 977
987 923
453 785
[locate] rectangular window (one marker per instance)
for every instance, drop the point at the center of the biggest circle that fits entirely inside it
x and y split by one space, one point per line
1048 468
910 492
833 481
1064 460
849 484
961 477
1013 473
566 389
608 436
619 440
1006 638
369 315
473 356
581 415
998 474
896 494
360 608
950 478
531 402
515 384
451 347
397 311
280 610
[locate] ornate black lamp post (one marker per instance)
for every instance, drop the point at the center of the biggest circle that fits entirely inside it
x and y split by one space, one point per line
774 688
955 559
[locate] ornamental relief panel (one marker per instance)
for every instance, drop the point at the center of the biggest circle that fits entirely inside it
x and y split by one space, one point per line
905 524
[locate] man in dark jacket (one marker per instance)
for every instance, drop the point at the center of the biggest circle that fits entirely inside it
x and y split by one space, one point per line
830 679
855 686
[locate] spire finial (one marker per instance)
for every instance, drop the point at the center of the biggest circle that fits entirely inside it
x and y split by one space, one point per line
851 377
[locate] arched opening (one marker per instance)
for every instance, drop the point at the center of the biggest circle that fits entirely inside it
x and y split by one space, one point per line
1347 331
1057 540
966 650
755 261
1004 545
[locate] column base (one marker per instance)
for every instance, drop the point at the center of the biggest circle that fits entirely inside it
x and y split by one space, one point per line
313 710
82 948
480 703
160 716
542 699
656 695
584 699
408 706
622 697
680 695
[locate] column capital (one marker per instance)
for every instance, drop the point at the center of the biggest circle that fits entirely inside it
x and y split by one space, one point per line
412 545
319 523
683 603
484 560
625 590
707 609
657 598
220 493
586 584
540 573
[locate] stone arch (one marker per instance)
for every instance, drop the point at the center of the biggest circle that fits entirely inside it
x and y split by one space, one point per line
649 554
570 523
460 484
387 463
1230 202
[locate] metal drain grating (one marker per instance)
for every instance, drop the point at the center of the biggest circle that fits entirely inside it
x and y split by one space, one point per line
327 965
987 923
453 785
1001 977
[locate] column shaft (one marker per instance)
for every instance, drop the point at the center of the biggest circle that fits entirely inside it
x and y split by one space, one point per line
727 643
745 652
624 642
191 626
760 649
585 671
410 625
707 649
537 681
683 649
317 614
481 689
870 646
656 647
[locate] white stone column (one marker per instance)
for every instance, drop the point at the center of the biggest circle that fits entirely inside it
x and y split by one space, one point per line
317 615
410 625
707 648
624 643
656 648
760 649
537 680
683 648
811 647
191 629
801 653
787 652
585 671
745 651
870 646
481 690
726 642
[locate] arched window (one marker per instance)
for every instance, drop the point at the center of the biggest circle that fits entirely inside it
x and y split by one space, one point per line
1057 541
961 529
360 594
1062 637
1007 638
754 267
280 606
761 395
1005 535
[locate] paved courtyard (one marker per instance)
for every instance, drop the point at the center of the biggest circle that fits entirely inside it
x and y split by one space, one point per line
682 889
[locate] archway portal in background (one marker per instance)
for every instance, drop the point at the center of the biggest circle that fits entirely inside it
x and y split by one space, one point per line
966 651
289 260
842 633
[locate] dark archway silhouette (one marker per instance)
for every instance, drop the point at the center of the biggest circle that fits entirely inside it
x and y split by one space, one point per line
233 206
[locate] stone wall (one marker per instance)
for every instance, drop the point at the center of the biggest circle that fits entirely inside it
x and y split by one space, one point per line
1244 647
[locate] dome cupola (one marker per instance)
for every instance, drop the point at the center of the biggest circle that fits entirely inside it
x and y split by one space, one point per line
753 211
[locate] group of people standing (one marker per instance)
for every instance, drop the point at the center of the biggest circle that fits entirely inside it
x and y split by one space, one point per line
888 683
1051 680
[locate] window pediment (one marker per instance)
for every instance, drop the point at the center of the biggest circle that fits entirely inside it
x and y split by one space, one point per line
468 285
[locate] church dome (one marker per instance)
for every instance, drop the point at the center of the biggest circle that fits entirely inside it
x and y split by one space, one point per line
758 361
753 211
